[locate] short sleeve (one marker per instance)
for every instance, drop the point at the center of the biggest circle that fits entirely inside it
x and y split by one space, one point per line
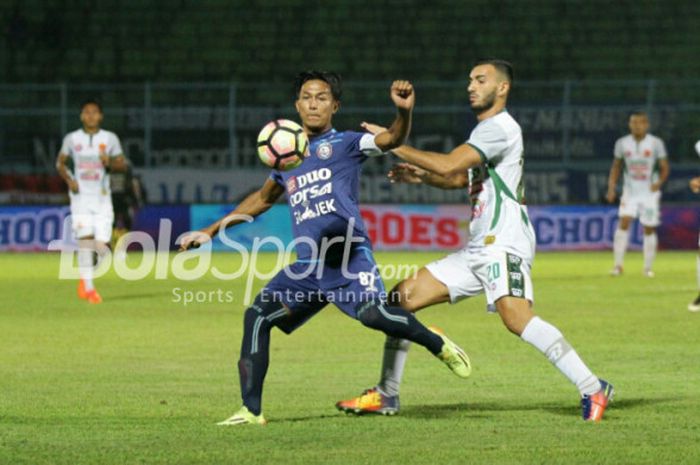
368 146
66 146
490 140
277 177
661 149
619 153
115 146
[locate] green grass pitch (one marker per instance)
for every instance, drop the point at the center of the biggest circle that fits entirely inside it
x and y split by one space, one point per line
143 379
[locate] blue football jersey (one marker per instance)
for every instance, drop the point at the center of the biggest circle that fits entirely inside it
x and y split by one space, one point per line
323 192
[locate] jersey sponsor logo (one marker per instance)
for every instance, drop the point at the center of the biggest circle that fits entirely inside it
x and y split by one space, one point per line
324 151
322 174
321 208
310 193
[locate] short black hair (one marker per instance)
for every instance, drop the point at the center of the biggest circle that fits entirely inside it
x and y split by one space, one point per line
91 101
332 79
502 66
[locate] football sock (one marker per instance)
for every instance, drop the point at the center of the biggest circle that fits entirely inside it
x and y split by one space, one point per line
255 352
620 245
549 340
395 354
649 244
85 266
398 323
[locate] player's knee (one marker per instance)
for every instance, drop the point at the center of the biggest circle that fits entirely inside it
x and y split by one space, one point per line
260 314
403 295
369 315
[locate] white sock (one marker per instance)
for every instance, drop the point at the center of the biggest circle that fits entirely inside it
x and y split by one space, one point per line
395 354
620 245
649 244
85 266
549 340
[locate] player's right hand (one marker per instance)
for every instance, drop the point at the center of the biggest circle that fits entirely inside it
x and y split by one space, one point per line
610 196
193 240
695 185
73 186
402 95
407 173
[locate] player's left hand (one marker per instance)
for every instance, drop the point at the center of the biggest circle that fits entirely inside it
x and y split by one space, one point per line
372 128
656 187
402 95
407 173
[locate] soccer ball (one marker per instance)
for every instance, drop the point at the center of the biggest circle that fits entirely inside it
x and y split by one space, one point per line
282 144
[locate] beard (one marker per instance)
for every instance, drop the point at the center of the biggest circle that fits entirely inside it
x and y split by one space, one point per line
486 105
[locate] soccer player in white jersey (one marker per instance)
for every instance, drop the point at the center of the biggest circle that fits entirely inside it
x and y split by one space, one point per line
694 306
642 157
500 251
93 153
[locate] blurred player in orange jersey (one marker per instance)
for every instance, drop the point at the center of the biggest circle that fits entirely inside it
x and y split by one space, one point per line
93 152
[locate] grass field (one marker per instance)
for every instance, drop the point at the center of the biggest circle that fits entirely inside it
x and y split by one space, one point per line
143 379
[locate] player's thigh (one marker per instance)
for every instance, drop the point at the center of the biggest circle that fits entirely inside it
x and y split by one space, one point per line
295 292
650 211
455 274
418 291
103 223
83 225
503 274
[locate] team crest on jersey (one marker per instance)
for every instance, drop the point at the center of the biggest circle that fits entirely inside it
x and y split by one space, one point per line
647 153
628 154
292 184
78 148
324 151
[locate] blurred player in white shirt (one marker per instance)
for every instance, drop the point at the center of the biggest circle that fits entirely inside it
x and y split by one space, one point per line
694 306
93 152
643 159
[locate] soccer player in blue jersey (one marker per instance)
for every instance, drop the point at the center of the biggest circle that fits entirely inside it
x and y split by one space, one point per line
334 255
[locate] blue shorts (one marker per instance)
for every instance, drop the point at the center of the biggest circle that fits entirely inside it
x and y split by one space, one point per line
305 288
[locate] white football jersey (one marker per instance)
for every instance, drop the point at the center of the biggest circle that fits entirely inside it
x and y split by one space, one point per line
498 214
640 163
85 149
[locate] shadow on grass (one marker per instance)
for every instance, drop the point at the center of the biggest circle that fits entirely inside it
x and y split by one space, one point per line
478 409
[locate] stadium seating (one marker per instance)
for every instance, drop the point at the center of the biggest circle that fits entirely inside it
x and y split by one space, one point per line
250 39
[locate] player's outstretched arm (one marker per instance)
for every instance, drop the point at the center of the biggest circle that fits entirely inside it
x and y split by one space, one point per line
615 171
411 174
255 204
404 97
455 163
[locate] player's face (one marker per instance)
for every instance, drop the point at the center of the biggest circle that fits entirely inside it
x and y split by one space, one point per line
485 86
91 116
316 106
639 125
